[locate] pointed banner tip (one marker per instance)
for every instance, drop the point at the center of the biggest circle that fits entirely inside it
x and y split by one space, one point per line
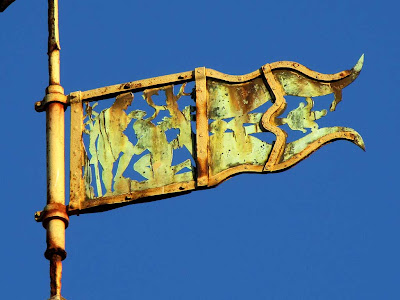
357 68
361 145
358 140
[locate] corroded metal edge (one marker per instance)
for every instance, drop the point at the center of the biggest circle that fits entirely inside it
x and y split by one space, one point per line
140 85
177 78
226 174
316 75
135 86
210 73
152 194
350 135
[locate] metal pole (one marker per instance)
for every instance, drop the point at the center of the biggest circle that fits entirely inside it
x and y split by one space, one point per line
55 218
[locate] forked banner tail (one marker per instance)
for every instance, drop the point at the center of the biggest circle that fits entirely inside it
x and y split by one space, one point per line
155 138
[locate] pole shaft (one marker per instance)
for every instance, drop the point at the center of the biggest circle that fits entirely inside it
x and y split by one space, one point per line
53 43
55 226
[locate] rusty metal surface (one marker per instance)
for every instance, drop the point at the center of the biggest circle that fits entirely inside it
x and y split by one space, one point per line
234 116
55 275
298 150
232 124
147 152
297 80
293 79
202 141
77 184
136 86
54 217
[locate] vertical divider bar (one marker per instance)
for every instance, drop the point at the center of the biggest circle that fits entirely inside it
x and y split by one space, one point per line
201 127
269 118
77 185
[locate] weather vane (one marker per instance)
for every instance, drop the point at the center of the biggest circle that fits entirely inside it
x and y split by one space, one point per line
160 137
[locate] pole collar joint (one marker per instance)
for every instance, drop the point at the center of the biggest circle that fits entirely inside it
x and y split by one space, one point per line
51 252
53 211
54 93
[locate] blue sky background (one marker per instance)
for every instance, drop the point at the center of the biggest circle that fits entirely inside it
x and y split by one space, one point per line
325 229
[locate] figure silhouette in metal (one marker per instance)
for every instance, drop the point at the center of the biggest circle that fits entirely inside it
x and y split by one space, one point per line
108 131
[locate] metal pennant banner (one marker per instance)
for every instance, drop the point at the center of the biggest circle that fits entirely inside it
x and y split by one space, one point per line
150 139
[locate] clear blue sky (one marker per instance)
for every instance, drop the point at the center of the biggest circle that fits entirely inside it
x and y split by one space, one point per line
326 229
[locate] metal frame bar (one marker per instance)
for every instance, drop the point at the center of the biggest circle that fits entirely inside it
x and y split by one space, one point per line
202 148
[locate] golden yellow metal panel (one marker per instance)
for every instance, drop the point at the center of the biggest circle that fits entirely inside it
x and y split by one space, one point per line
231 109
